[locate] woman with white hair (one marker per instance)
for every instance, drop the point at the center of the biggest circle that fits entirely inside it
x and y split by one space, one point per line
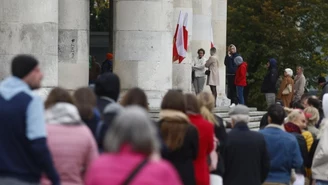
286 88
130 143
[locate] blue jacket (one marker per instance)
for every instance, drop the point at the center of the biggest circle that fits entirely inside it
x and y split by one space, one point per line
24 154
284 154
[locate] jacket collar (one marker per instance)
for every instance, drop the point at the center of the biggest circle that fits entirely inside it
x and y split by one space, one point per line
173 115
271 125
241 126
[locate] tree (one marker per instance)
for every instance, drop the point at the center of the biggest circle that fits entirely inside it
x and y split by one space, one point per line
292 31
99 15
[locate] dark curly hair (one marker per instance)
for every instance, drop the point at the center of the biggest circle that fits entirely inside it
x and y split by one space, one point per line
201 49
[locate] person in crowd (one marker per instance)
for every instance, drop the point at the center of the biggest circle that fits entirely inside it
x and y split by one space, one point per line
135 96
244 150
107 89
179 135
199 71
94 69
296 121
323 84
286 88
297 105
24 154
205 139
86 103
320 160
312 120
240 79
129 145
282 147
300 83
71 142
264 120
213 72
107 65
270 81
231 69
313 101
206 101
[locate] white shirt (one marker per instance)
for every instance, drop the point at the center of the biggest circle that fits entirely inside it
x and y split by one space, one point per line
199 66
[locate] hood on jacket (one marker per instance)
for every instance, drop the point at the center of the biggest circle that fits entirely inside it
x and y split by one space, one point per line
273 63
63 113
108 85
325 105
11 86
173 115
238 60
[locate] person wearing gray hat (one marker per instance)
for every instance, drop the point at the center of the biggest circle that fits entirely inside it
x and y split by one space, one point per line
245 156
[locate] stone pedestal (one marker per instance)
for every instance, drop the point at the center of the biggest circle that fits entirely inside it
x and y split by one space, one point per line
181 78
181 73
73 45
30 27
143 46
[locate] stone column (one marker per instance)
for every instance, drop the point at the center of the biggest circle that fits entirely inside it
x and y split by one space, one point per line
181 74
73 44
30 27
201 29
202 17
219 24
143 46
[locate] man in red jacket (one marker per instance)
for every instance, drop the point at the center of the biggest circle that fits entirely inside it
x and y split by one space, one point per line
240 79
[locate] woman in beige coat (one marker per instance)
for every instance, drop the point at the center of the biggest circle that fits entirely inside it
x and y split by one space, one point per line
213 76
286 88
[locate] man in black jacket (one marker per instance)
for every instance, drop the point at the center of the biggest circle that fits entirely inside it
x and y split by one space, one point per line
245 156
269 87
231 69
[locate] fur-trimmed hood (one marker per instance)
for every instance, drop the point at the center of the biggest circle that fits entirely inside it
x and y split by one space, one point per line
173 116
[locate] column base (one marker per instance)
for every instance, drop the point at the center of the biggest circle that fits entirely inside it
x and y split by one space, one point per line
181 77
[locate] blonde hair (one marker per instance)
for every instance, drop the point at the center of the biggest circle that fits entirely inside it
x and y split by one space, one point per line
293 114
206 102
314 115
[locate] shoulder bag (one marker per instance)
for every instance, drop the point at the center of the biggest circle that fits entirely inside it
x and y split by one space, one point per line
135 171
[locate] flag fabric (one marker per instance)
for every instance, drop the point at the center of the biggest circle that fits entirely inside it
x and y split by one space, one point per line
180 40
211 35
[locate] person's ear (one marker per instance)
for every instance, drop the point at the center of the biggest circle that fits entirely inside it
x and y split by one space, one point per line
269 119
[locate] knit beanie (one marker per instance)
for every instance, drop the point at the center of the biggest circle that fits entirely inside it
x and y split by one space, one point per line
108 85
238 60
22 65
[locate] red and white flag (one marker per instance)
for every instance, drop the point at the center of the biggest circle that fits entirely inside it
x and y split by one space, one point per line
211 35
180 40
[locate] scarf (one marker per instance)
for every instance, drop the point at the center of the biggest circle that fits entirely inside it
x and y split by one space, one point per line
291 127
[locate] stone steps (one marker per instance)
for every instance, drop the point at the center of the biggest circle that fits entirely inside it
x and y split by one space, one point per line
254 123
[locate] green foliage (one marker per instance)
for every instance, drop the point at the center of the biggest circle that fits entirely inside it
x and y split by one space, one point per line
99 15
292 31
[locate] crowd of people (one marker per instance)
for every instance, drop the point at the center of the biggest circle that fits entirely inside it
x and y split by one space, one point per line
90 137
